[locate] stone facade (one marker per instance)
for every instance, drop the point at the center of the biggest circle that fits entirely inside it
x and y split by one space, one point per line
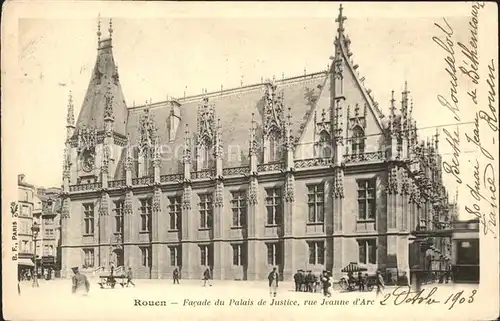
318 178
25 211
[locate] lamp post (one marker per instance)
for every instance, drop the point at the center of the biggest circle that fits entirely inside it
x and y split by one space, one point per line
35 229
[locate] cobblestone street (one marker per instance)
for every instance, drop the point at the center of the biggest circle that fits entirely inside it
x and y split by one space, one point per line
160 298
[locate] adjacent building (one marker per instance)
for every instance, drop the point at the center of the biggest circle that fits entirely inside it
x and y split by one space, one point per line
465 251
300 173
26 206
50 230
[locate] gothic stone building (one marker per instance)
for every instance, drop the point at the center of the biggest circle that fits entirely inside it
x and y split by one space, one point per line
298 173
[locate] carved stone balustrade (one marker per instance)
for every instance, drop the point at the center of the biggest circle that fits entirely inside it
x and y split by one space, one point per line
312 162
234 171
143 180
171 178
276 166
365 157
204 174
85 187
114 184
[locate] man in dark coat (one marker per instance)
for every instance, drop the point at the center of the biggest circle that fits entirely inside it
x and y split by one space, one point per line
379 283
296 278
361 284
176 276
206 277
80 282
325 282
129 277
273 282
310 281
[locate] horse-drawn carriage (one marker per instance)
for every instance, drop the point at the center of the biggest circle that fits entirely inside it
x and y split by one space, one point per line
352 283
110 280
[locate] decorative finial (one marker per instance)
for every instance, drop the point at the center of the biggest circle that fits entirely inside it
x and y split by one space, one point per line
185 88
305 71
99 28
71 109
241 81
393 107
436 139
340 21
282 75
110 28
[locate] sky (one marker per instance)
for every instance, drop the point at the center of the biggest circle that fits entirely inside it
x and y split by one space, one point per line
171 48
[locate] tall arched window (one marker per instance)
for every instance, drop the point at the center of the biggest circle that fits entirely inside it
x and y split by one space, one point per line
358 141
146 160
204 154
324 145
275 146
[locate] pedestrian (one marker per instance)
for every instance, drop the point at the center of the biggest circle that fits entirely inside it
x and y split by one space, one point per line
80 282
296 278
206 277
129 277
360 282
309 280
273 282
380 283
176 276
324 282
18 286
329 290
111 278
303 282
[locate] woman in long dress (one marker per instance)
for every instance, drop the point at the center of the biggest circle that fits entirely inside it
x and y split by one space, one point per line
330 286
273 282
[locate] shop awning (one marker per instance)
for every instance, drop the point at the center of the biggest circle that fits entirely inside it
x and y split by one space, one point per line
353 267
25 262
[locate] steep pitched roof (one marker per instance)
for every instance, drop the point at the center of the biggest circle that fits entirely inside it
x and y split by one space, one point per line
234 107
104 81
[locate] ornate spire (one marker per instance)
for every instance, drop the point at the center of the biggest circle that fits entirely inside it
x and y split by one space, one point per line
392 117
218 150
105 159
404 100
273 111
103 206
187 146
129 158
156 200
253 141
66 163
436 140
207 126
340 20
98 30
288 130
147 131
70 118
108 105
338 122
157 153
110 28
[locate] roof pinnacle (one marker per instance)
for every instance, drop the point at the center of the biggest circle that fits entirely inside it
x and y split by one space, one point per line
110 28
340 21
99 28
